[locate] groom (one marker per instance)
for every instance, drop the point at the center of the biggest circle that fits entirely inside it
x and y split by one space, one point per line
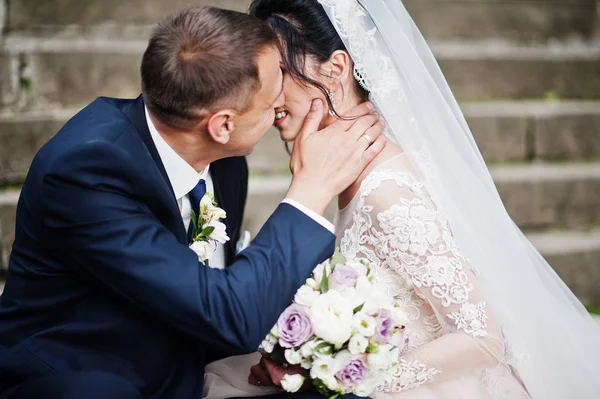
104 298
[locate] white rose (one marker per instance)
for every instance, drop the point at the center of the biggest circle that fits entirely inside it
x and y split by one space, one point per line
350 294
292 356
399 316
360 268
318 273
365 389
312 283
292 383
308 349
306 363
325 370
378 361
272 338
358 344
331 317
267 346
384 358
306 296
374 296
364 324
269 343
219 234
203 249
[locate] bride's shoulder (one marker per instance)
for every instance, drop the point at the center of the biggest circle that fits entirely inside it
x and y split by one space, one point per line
389 171
392 173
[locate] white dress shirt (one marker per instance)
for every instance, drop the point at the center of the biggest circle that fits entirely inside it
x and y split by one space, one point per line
183 178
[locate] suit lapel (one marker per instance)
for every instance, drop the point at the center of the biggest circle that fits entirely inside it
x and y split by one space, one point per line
136 113
224 198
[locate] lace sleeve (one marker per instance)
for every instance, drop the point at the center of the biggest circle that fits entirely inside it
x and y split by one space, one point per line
414 238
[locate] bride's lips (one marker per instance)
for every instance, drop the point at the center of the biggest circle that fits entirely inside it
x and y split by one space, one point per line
280 117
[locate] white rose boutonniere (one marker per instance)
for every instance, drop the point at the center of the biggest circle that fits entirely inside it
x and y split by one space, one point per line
207 228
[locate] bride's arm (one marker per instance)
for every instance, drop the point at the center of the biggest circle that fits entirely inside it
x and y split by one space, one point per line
415 239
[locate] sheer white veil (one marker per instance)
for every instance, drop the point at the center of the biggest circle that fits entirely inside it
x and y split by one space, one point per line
554 344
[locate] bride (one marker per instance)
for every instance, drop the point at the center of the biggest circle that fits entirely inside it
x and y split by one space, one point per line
488 316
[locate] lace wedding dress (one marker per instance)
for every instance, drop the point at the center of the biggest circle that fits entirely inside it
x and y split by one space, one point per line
456 347
489 317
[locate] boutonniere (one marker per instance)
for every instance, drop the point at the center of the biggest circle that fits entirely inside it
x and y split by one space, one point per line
207 229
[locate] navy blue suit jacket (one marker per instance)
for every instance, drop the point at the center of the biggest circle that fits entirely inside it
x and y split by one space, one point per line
101 277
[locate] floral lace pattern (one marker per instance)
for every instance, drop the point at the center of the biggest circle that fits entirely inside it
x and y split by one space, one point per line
409 375
471 319
410 243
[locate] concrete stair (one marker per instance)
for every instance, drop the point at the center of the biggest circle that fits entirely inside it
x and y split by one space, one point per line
574 256
520 20
537 196
69 70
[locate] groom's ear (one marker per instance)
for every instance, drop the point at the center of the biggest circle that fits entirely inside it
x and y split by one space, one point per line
221 125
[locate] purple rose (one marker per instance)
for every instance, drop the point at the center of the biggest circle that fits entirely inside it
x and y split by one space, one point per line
294 327
342 276
353 373
383 327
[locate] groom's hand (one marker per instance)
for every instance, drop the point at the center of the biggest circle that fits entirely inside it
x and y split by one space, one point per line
326 162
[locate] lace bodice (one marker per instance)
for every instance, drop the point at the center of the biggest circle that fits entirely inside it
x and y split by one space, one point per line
394 224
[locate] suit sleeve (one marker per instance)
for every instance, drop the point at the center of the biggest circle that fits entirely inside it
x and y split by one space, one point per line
98 224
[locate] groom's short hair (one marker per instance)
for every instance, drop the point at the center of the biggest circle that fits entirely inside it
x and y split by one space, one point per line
201 59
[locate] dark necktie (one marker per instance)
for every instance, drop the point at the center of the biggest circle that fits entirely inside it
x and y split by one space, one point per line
195 197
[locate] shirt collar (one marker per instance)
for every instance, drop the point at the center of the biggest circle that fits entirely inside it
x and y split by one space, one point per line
182 175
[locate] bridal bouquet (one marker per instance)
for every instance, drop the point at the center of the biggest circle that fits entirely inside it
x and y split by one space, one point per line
342 329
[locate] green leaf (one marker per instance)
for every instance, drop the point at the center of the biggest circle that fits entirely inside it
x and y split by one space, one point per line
322 345
207 231
194 220
358 308
324 284
278 357
372 348
337 259
321 387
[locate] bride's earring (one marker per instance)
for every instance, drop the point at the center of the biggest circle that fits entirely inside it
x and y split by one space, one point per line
331 95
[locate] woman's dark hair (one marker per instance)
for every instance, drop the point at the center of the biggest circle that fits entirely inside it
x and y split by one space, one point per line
304 30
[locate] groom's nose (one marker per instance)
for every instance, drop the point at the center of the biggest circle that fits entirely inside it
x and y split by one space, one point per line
280 102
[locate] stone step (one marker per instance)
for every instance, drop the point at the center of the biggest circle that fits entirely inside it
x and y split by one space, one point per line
537 196
505 132
70 71
33 15
8 205
521 20
543 196
516 20
575 256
